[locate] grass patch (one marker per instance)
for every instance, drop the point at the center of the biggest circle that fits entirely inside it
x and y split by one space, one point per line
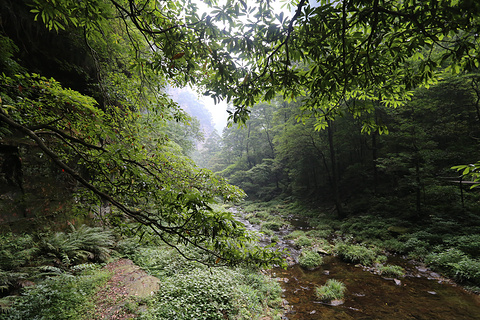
355 253
274 225
310 259
304 241
254 220
391 271
332 290
294 235
321 233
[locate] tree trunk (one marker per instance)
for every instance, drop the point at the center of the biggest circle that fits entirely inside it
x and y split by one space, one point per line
335 178
374 162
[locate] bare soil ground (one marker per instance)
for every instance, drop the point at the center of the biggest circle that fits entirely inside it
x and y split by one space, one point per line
118 299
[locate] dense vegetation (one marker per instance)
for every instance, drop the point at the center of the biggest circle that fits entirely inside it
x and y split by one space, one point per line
363 108
406 171
59 274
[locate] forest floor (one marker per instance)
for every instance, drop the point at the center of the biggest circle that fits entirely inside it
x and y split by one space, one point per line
120 298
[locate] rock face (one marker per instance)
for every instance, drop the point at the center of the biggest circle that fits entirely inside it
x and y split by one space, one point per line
128 284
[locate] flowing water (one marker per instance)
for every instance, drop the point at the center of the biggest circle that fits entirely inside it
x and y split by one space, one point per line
369 296
421 294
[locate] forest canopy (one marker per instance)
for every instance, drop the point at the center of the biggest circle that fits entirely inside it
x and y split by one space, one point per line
84 82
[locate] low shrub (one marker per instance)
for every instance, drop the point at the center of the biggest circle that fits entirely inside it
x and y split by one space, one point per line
274 225
294 235
355 253
442 260
78 246
191 290
16 250
61 297
310 259
467 243
263 215
268 232
332 290
416 248
211 294
162 261
467 270
395 245
456 264
391 271
366 228
303 241
254 220
323 233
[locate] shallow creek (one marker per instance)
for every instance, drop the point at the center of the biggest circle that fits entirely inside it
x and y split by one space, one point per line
421 294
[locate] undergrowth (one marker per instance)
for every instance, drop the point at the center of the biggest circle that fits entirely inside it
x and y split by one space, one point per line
54 275
61 297
191 290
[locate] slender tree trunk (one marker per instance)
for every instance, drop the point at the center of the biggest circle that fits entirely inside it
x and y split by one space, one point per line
418 188
249 160
335 178
374 160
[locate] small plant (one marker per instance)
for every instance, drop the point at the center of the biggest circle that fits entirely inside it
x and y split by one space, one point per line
263 215
274 225
416 248
445 258
78 246
254 220
355 253
322 233
268 232
469 244
456 264
294 235
391 271
310 259
332 290
395 245
16 250
303 241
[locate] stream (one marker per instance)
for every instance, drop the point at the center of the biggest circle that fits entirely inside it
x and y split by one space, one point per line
421 294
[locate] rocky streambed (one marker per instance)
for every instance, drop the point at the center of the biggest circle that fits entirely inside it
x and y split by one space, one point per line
420 294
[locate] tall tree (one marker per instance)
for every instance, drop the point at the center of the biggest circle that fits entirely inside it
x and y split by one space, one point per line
111 138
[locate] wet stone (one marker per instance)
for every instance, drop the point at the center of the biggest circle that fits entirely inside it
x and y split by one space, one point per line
336 302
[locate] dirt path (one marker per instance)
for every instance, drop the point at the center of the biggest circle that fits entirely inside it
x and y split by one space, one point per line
118 299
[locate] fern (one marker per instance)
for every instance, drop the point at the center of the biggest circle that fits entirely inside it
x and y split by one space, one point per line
16 250
6 304
94 240
78 246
